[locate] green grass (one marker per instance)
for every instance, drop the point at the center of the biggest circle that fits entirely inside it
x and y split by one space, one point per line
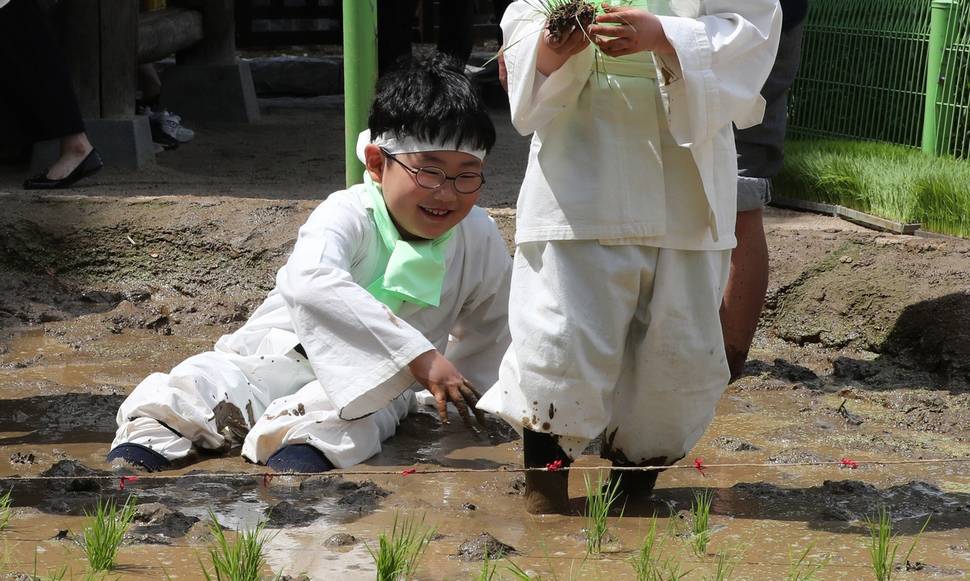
239 560
397 555
700 510
801 569
600 498
884 545
101 538
887 180
5 511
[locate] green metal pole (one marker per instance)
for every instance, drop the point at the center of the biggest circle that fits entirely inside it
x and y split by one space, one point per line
360 77
939 18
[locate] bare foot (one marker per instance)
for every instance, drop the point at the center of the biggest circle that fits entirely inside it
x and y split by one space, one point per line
74 148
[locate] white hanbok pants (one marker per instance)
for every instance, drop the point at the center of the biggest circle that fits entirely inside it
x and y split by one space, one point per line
263 401
623 341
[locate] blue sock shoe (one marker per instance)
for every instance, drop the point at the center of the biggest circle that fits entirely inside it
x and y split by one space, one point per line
139 455
299 458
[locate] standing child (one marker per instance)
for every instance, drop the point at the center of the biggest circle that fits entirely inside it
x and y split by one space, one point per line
624 228
397 281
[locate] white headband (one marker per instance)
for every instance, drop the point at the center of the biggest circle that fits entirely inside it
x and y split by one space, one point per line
409 144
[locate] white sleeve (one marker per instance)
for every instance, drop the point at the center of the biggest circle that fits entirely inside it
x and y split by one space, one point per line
536 99
480 336
358 348
723 58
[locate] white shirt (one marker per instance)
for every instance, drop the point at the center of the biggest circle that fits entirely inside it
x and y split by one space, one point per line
595 169
359 350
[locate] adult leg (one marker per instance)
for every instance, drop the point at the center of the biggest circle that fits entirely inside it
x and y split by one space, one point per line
760 156
37 80
745 293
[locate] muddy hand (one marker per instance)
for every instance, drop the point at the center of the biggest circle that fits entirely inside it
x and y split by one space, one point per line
471 397
446 384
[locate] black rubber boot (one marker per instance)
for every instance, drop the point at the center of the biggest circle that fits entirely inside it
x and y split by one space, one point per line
139 456
545 492
299 458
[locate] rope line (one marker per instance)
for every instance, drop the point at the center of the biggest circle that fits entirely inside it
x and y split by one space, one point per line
267 477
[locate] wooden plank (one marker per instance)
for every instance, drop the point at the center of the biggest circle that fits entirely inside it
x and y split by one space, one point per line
119 58
82 48
875 222
848 214
165 32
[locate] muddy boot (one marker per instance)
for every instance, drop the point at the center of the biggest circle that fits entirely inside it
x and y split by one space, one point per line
545 492
634 485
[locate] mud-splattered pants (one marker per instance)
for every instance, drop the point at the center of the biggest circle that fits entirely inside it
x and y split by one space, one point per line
263 401
623 341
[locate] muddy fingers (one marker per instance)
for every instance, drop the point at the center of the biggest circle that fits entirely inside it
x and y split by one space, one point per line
471 396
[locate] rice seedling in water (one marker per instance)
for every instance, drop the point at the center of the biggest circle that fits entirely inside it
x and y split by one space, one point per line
520 574
647 564
801 569
101 539
883 545
5 511
700 510
599 500
397 556
488 570
239 560
723 567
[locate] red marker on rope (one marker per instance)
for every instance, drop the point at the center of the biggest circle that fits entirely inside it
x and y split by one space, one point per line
267 478
554 466
848 463
125 480
408 471
699 466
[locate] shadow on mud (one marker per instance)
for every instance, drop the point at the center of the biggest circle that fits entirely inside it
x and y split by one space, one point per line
932 337
59 419
836 506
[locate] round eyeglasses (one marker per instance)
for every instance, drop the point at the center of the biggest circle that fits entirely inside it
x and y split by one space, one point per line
432 178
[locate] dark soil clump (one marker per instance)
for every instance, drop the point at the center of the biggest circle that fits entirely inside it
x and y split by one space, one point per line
482 546
563 18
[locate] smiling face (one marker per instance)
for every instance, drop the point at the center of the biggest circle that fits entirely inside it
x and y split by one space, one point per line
420 212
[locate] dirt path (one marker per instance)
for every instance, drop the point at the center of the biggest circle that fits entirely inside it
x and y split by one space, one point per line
864 353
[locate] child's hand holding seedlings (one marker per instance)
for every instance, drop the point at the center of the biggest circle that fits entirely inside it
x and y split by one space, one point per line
446 383
554 53
637 30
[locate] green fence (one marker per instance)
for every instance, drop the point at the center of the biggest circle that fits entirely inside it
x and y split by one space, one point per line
868 66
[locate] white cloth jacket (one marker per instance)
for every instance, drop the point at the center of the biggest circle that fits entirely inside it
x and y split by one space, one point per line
358 349
593 166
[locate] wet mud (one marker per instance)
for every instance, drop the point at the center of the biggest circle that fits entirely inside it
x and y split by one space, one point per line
863 359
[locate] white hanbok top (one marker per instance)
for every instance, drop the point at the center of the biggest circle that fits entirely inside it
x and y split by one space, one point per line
359 350
597 164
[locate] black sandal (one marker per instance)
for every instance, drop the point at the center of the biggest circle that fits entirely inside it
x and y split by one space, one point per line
91 165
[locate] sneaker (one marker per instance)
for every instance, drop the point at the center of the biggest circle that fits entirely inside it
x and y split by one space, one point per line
171 125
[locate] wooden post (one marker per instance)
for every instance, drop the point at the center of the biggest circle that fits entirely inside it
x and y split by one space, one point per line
119 58
218 46
82 46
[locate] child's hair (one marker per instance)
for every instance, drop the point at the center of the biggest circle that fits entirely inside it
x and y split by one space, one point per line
431 99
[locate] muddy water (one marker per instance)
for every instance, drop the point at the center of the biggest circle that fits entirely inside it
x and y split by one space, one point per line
760 515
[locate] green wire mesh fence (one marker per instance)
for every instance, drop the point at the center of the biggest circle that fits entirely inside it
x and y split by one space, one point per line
868 66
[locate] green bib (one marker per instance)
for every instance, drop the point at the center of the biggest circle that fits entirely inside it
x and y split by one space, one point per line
415 270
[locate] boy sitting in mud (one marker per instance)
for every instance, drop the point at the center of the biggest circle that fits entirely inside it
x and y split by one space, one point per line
395 282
